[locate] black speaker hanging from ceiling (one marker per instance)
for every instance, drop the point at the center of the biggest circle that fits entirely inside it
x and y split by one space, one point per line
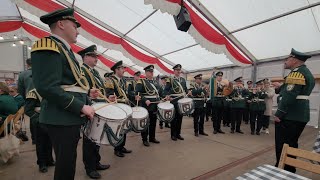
183 20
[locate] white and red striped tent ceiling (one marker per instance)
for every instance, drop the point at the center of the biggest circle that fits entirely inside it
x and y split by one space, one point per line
143 32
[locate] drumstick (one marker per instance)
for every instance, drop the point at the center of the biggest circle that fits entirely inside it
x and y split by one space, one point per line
103 96
82 115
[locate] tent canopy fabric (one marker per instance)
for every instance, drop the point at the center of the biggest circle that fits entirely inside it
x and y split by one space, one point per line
142 32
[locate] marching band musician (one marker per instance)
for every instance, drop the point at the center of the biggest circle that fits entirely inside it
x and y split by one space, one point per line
162 87
91 156
257 107
199 97
116 90
131 86
238 105
148 92
42 139
58 79
218 104
176 87
246 113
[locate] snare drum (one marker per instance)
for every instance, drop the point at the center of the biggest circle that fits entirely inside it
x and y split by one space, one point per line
140 119
106 126
165 111
127 124
186 106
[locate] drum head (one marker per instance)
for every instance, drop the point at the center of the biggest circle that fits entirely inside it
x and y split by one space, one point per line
125 108
165 105
111 112
139 113
185 100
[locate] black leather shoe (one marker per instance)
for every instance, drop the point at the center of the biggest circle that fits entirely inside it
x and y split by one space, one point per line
124 150
146 143
102 166
161 127
118 153
94 175
228 125
167 126
51 164
180 137
196 134
154 141
203 133
43 168
220 131
215 132
232 131
239 131
252 133
173 138
257 133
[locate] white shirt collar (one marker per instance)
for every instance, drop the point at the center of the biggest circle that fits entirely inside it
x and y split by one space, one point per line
62 40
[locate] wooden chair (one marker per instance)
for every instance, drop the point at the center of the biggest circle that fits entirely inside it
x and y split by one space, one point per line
13 117
305 165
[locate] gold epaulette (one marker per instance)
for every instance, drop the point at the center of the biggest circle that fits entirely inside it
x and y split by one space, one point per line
31 95
296 78
128 83
45 44
108 84
168 80
139 81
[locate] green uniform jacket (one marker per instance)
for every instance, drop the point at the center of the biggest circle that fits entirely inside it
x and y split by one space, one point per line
174 85
199 93
218 100
7 106
131 87
257 101
148 88
32 101
25 83
51 70
20 101
117 87
95 81
299 82
239 98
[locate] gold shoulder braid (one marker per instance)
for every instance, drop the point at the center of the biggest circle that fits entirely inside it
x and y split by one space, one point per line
45 44
120 90
296 78
76 71
94 80
176 86
148 91
108 84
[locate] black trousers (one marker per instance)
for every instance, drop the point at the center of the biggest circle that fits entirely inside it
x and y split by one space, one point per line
151 130
256 116
122 144
43 144
33 126
64 140
161 123
208 110
227 115
266 122
176 123
198 120
287 132
217 114
90 154
246 115
236 119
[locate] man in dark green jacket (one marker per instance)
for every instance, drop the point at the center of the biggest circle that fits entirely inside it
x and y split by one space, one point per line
293 111
58 79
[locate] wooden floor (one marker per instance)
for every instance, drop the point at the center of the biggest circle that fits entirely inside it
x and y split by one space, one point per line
221 156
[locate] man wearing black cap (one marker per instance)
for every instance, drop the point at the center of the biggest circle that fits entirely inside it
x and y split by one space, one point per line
58 79
257 107
246 112
25 84
176 88
148 91
218 103
162 91
293 111
131 86
238 105
199 95
91 156
116 89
